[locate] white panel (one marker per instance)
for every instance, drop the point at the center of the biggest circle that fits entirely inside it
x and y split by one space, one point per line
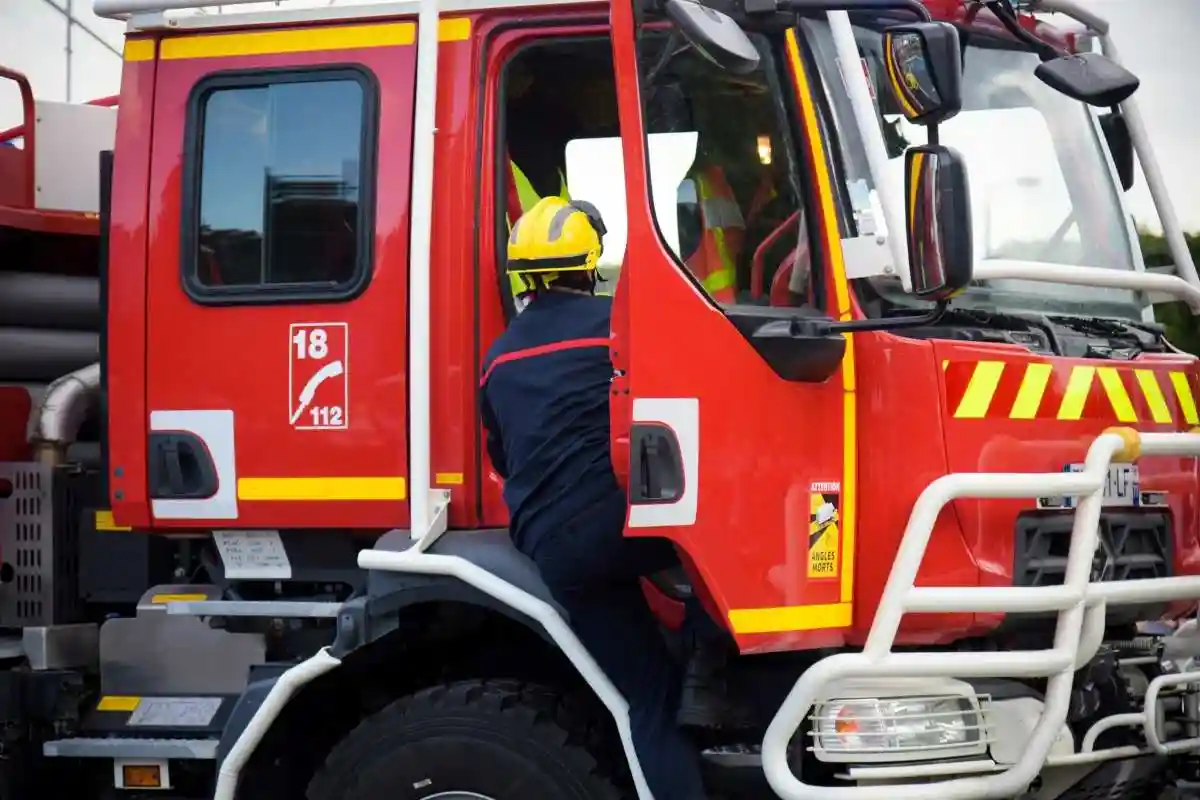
95 69
681 415
67 159
215 429
33 40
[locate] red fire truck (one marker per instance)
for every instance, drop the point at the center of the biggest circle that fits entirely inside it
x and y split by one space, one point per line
932 467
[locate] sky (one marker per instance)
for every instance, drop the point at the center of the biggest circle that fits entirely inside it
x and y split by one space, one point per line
1158 39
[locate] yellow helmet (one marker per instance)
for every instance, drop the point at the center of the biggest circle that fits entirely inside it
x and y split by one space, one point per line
553 237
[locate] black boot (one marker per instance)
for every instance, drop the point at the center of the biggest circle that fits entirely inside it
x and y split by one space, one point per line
705 702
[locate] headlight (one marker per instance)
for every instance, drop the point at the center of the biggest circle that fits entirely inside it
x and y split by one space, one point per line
898 729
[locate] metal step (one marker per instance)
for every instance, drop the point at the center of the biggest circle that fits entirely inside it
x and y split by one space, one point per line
184 749
287 609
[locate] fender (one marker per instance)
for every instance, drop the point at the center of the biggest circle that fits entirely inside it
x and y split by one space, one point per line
476 567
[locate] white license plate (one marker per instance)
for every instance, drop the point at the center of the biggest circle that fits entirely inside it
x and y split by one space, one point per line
1121 488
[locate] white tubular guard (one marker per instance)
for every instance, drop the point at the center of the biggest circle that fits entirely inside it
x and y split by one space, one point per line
1081 608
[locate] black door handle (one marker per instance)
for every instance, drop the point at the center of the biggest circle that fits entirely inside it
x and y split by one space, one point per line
657 468
180 467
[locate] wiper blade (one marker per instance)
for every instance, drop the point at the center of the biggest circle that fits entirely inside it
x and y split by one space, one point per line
1097 325
1145 336
996 319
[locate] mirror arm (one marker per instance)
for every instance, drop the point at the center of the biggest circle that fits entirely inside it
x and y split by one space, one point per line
930 317
1045 51
674 40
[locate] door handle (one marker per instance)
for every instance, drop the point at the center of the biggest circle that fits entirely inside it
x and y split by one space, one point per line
656 474
180 467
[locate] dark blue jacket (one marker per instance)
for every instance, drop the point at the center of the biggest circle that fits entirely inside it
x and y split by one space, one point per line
544 402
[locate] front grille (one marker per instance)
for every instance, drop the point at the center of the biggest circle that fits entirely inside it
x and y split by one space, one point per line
1133 545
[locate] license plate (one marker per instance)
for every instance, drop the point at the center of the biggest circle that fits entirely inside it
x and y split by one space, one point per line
1122 487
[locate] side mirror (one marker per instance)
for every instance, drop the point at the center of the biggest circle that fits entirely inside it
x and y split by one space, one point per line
714 35
1120 144
924 70
1090 78
938 221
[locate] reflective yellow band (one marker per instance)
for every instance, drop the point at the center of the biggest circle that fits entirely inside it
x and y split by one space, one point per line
105 522
527 196
162 599
114 702
721 279
791 618
139 50
309 489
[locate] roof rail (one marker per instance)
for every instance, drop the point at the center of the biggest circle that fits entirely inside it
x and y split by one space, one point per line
123 9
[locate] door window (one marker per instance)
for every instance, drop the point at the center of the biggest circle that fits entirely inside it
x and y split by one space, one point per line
280 187
738 222
724 182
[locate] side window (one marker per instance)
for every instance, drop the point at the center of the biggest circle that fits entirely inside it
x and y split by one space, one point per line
277 187
737 222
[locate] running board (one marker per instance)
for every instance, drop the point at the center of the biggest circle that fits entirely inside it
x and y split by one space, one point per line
182 749
287 609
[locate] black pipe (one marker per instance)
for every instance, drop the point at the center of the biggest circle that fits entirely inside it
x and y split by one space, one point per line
38 300
38 356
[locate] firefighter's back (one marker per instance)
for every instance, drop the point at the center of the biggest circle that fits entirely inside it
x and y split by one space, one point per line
546 382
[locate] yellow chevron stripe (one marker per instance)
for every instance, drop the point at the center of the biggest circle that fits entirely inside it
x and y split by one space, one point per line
1159 411
978 396
1115 389
1076 394
1183 392
1033 389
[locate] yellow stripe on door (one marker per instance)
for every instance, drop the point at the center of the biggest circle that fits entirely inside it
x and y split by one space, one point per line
322 489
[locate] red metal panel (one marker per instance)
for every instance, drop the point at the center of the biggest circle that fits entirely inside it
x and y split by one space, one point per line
203 357
763 441
126 313
998 443
901 451
454 444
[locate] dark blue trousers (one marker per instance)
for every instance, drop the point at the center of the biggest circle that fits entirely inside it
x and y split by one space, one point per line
593 571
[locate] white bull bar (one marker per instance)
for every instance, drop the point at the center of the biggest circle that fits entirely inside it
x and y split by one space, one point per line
1081 608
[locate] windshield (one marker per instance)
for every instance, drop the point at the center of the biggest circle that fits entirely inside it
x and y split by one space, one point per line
1041 186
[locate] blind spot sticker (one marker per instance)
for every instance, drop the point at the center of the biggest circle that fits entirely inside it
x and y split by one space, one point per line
824 532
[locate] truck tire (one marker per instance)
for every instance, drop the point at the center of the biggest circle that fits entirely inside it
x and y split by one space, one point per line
490 740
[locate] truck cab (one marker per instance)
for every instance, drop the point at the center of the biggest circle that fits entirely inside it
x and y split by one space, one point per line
885 372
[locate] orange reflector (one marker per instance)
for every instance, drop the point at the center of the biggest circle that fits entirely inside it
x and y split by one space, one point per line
844 725
141 776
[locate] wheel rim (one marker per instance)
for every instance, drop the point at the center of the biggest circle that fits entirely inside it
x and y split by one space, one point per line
457 796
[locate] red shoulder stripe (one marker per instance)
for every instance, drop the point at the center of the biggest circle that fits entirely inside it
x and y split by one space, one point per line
542 350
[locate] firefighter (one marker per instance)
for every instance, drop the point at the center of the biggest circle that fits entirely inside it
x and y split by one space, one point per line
544 404
714 263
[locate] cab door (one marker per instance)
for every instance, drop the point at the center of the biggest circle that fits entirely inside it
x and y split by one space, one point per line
736 427
277 287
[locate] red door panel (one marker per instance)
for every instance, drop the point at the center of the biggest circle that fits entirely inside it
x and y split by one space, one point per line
763 459
266 147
